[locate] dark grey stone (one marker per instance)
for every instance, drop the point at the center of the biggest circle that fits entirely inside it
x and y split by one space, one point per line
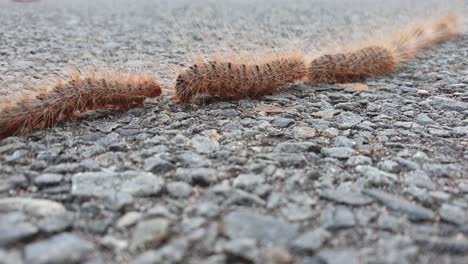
414 211
150 233
337 217
445 103
108 184
205 145
48 179
266 230
346 197
14 227
338 152
158 165
47 215
61 248
179 189
311 241
282 122
297 147
443 245
244 249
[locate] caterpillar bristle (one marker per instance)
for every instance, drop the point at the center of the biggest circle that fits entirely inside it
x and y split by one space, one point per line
235 78
351 66
383 58
79 92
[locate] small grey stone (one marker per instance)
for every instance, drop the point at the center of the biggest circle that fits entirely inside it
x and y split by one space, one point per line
420 179
108 184
444 103
128 219
443 170
11 147
193 160
347 120
414 211
198 176
376 177
158 165
312 240
204 209
461 130
422 92
340 256
297 147
443 245
265 229
342 141
248 181
174 252
338 152
10 257
203 176
128 131
453 214
439 132
113 243
215 259
150 233
48 179
301 132
63 168
326 114
424 120
15 228
358 160
297 212
61 248
407 164
388 222
346 197
204 145
244 249
389 166
276 255
179 189
285 159
440 195
49 216
337 217
107 127
50 154
282 122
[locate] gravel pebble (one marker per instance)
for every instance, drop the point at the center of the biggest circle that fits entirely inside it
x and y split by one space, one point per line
61 248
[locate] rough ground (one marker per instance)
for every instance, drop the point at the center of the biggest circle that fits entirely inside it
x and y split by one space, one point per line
331 176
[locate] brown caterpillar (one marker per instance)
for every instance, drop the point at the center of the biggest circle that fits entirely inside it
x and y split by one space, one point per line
232 80
44 107
381 59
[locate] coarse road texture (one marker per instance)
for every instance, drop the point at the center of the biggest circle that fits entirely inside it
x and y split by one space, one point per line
325 176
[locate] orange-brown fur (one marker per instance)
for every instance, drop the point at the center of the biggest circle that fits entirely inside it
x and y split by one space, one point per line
228 79
382 58
351 66
45 107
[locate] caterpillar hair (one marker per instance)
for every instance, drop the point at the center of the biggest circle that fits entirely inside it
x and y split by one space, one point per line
235 78
79 92
383 58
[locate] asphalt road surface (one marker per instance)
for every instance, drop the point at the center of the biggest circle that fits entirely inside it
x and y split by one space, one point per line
327 176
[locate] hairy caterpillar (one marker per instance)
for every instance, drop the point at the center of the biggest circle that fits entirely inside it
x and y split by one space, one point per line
381 58
236 79
79 92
